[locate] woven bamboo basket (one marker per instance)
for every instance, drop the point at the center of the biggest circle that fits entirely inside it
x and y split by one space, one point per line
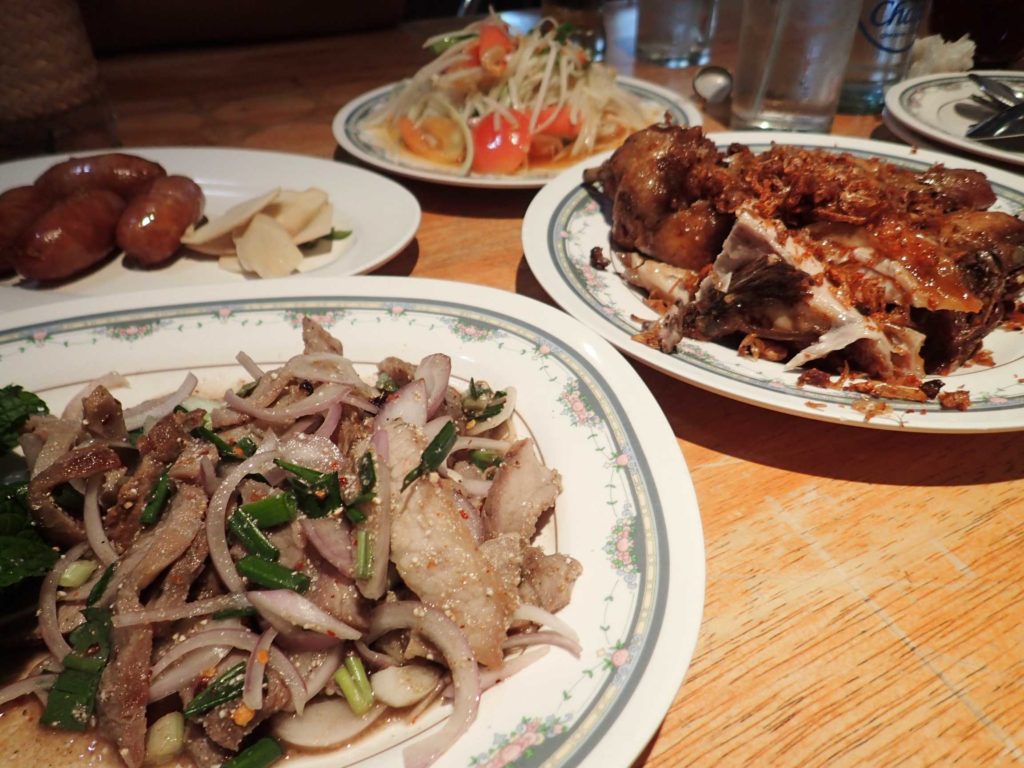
50 93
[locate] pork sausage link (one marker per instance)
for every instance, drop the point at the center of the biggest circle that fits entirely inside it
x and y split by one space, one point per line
19 207
126 175
151 227
72 234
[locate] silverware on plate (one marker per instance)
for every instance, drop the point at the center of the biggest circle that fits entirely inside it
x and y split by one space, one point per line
997 90
1005 124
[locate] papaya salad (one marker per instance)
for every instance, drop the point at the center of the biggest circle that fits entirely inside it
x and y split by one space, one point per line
315 554
495 102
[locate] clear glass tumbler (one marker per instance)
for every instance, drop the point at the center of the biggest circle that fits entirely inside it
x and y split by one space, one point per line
675 33
792 57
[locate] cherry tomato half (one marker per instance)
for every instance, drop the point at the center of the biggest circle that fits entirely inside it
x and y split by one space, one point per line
501 145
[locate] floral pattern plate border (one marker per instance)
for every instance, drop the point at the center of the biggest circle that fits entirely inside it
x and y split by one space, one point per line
628 510
362 143
929 105
566 220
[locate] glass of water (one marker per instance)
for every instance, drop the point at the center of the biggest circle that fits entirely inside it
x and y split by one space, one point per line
792 57
675 33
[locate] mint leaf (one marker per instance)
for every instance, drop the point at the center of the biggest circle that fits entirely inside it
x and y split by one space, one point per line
16 405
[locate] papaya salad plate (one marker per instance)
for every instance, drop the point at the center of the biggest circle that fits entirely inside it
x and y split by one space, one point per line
498 109
357 130
610 661
568 219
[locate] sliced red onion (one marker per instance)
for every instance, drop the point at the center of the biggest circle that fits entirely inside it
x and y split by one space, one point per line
374 658
31 445
300 427
544 637
542 618
382 445
503 415
244 640
491 677
320 676
49 627
216 516
252 690
321 399
122 570
283 604
453 645
378 526
185 671
327 723
94 532
232 637
186 611
250 365
325 366
33 684
435 370
408 404
208 473
332 539
330 422
159 407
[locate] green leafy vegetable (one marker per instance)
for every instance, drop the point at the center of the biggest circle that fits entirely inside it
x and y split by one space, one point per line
245 530
339 234
225 687
23 553
261 754
434 453
272 575
157 499
16 405
72 698
240 449
270 511
318 493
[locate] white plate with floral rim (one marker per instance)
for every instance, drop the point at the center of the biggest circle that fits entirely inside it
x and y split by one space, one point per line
940 108
381 215
371 144
566 219
628 511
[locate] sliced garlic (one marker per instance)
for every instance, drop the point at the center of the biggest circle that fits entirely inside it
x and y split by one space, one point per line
266 248
319 226
294 210
215 236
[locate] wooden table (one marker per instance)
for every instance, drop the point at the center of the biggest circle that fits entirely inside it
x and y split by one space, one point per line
865 589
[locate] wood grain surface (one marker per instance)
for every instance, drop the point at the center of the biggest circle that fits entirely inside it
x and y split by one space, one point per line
865 589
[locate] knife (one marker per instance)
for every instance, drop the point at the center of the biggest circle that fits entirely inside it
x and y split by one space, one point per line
997 125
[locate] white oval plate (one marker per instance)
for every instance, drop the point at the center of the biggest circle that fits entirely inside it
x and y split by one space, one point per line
628 511
565 221
373 147
931 104
382 215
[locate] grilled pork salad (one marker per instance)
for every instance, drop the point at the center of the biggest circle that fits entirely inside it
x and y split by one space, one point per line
830 261
494 102
313 553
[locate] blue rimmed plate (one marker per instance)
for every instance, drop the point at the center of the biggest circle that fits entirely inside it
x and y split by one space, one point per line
628 511
354 131
939 107
565 220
